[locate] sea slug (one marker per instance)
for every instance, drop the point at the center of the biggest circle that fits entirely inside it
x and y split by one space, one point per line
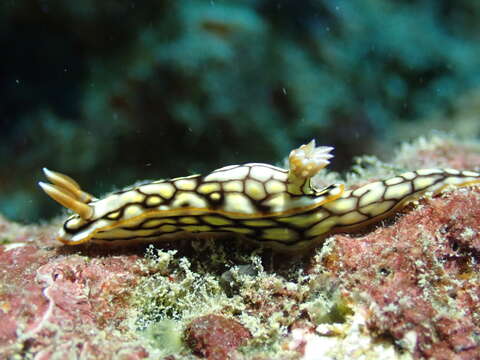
266 204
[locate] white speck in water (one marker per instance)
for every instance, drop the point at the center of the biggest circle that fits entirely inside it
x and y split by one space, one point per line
284 91
17 81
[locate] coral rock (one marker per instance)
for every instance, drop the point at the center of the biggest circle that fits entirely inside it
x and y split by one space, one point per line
55 305
420 274
214 336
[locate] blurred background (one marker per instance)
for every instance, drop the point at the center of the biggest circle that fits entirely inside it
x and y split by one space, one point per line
112 92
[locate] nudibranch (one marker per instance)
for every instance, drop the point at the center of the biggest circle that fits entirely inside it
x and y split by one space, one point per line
266 204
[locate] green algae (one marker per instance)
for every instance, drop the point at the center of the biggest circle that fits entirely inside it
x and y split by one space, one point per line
5 240
166 336
327 308
232 284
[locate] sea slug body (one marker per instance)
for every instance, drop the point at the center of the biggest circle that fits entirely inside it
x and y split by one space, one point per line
266 204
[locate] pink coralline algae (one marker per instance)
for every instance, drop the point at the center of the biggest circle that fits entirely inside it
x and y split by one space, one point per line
62 304
215 337
420 275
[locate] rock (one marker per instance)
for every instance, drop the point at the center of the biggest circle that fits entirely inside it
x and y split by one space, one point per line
215 337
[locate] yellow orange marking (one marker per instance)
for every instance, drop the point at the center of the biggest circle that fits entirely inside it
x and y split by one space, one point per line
216 220
277 202
375 194
188 199
131 197
274 186
132 211
259 223
351 218
188 220
114 215
281 234
74 223
398 191
254 189
153 200
155 222
238 230
196 228
168 228
238 203
185 184
208 188
321 228
423 182
165 190
304 220
235 185
342 205
377 209
215 196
